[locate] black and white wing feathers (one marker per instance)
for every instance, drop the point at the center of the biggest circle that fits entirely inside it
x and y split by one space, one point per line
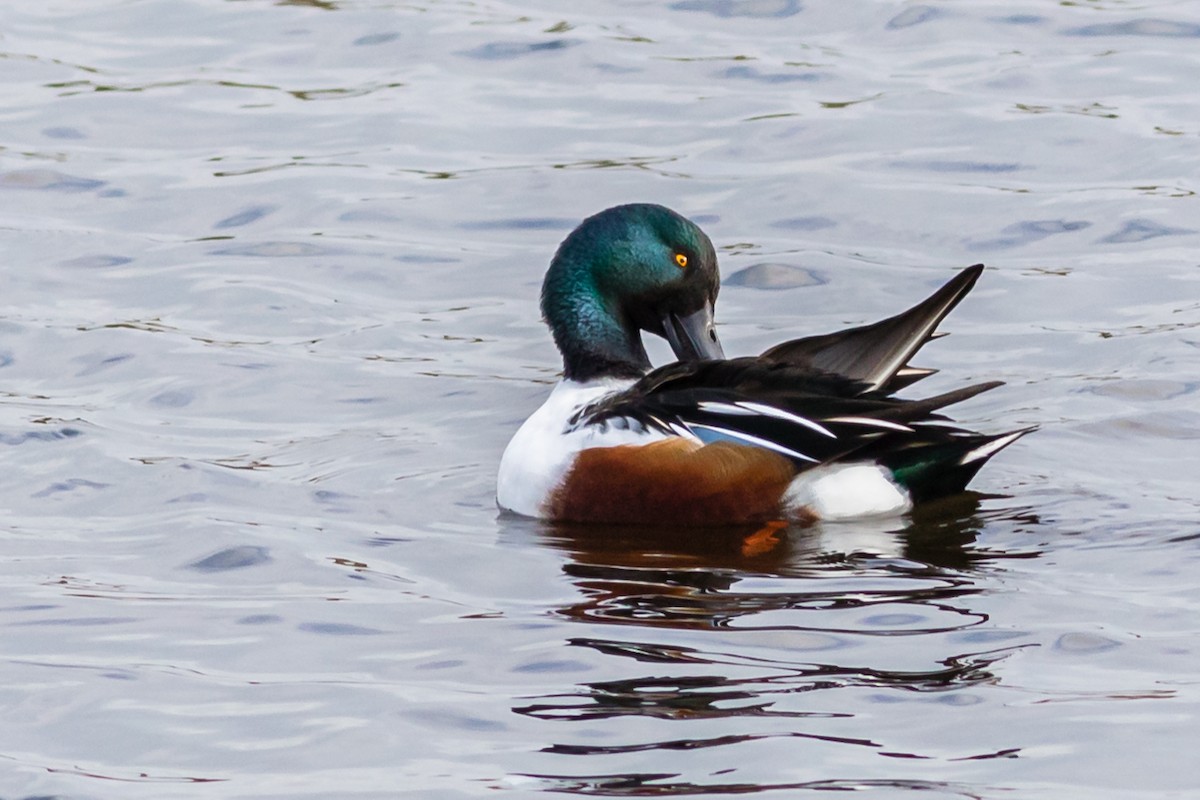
811 417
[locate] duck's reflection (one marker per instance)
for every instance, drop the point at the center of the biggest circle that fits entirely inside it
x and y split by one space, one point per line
937 535
688 577
761 622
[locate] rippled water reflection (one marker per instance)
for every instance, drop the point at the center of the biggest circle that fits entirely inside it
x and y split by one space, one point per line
270 317
765 637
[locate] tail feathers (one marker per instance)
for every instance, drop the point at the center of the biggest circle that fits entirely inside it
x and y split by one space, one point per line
907 376
992 445
876 354
919 409
938 469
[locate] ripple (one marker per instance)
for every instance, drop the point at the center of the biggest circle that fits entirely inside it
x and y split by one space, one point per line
63 132
69 485
277 250
1141 391
376 38
703 600
698 744
246 216
936 165
761 9
714 695
77 622
554 666
1097 110
1085 643
48 180
520 224
772 276
102 364
804 223
338 629
96 262
1028 232
504 51
16 439
894 620
1139 27
751 74
1022 19
232 558
1139 230
174 398
660 784
912 16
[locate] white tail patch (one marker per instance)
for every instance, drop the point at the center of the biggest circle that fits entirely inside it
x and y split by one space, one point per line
847 491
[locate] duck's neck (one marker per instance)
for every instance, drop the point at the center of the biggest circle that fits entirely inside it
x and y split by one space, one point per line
595 339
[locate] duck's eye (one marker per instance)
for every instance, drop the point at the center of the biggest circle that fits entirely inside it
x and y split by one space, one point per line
681 260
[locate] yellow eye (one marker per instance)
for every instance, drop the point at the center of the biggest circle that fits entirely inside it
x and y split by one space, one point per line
681 260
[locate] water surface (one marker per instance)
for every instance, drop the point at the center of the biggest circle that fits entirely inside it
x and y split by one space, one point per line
270 317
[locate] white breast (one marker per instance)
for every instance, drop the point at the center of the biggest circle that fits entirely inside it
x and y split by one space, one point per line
540 453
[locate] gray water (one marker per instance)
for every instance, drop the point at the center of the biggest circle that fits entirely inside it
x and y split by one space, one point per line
270 316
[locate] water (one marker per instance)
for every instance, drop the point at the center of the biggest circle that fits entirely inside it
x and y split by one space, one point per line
270 317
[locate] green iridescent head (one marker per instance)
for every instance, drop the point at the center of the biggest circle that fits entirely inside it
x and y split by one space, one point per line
628 269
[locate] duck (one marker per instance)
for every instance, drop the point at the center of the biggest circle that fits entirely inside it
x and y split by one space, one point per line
811 429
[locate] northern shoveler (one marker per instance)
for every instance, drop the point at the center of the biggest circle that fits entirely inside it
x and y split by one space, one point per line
810 429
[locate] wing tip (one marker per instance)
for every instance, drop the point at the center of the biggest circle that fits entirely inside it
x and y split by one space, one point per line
993 445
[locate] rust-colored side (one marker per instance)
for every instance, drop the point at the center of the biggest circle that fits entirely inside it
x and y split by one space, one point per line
673 482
